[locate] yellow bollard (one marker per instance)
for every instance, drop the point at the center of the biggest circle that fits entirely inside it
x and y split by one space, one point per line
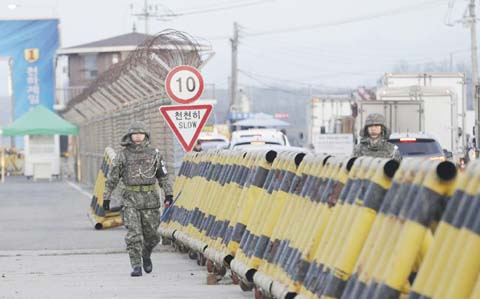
425 211
103 219
336 186
263 212
312 279
454 245
271 232
280 199
432 266
282 229
231 188
340 215
342 228
329 181
247 172
237 192
267 217
467 267
219 200
311 211
464 242
395 228
296 211
382 229
254 189
358 231
476 292
262 180
198 194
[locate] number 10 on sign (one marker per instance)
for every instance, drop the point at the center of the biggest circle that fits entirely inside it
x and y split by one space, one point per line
184 84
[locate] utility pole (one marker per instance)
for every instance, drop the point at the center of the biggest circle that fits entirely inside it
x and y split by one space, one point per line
150 11
450 66
234 77
146 15
473 36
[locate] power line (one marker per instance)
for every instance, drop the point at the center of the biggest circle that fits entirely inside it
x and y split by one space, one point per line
332 55
265 84
312 61
220 8
215 4
368 17
309 47
299 84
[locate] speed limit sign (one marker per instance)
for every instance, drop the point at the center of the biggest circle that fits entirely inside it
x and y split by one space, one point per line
184 84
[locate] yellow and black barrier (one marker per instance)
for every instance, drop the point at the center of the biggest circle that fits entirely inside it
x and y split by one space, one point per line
295 225
337 182
100 218
272 205
384 230
367 207
421 215
459 268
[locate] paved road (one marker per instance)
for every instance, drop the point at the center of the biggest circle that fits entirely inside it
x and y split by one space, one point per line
49 249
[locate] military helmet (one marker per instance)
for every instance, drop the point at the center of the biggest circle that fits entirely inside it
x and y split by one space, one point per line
135 127
375 119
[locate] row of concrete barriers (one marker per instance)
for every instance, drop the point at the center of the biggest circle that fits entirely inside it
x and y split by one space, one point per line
294 225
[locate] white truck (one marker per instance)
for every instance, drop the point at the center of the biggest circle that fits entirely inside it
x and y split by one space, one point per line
330 124
449 124
431 103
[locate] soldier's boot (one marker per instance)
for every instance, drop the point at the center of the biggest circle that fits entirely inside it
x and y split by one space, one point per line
147 264
137 271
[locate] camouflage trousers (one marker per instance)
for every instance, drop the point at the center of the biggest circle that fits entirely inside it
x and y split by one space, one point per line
142 235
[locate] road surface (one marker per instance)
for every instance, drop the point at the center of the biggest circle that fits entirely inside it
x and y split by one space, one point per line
49 249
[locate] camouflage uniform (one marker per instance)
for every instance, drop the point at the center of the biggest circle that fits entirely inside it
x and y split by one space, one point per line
139 167
380 148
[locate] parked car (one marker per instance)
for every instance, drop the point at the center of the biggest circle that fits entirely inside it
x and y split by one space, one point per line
258 137
418 145
277 148
210 140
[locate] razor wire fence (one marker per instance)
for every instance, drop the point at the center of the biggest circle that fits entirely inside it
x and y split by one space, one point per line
132 89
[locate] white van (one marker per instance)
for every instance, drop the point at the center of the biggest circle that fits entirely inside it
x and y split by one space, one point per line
210 140
255 137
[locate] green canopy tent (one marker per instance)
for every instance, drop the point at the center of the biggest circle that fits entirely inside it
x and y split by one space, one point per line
39 121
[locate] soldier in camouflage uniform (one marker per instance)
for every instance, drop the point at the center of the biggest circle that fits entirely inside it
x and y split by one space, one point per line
374 138
139 167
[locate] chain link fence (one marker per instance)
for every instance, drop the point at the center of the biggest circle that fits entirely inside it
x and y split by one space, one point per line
132 90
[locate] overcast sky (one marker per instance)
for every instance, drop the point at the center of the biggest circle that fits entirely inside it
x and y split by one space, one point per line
343 43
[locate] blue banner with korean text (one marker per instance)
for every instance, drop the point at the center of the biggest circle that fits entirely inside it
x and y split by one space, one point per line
31 46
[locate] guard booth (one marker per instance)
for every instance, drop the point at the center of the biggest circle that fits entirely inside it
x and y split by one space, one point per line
41 129
42 156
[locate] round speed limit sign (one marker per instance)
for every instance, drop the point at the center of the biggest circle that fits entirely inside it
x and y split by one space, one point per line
184 84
